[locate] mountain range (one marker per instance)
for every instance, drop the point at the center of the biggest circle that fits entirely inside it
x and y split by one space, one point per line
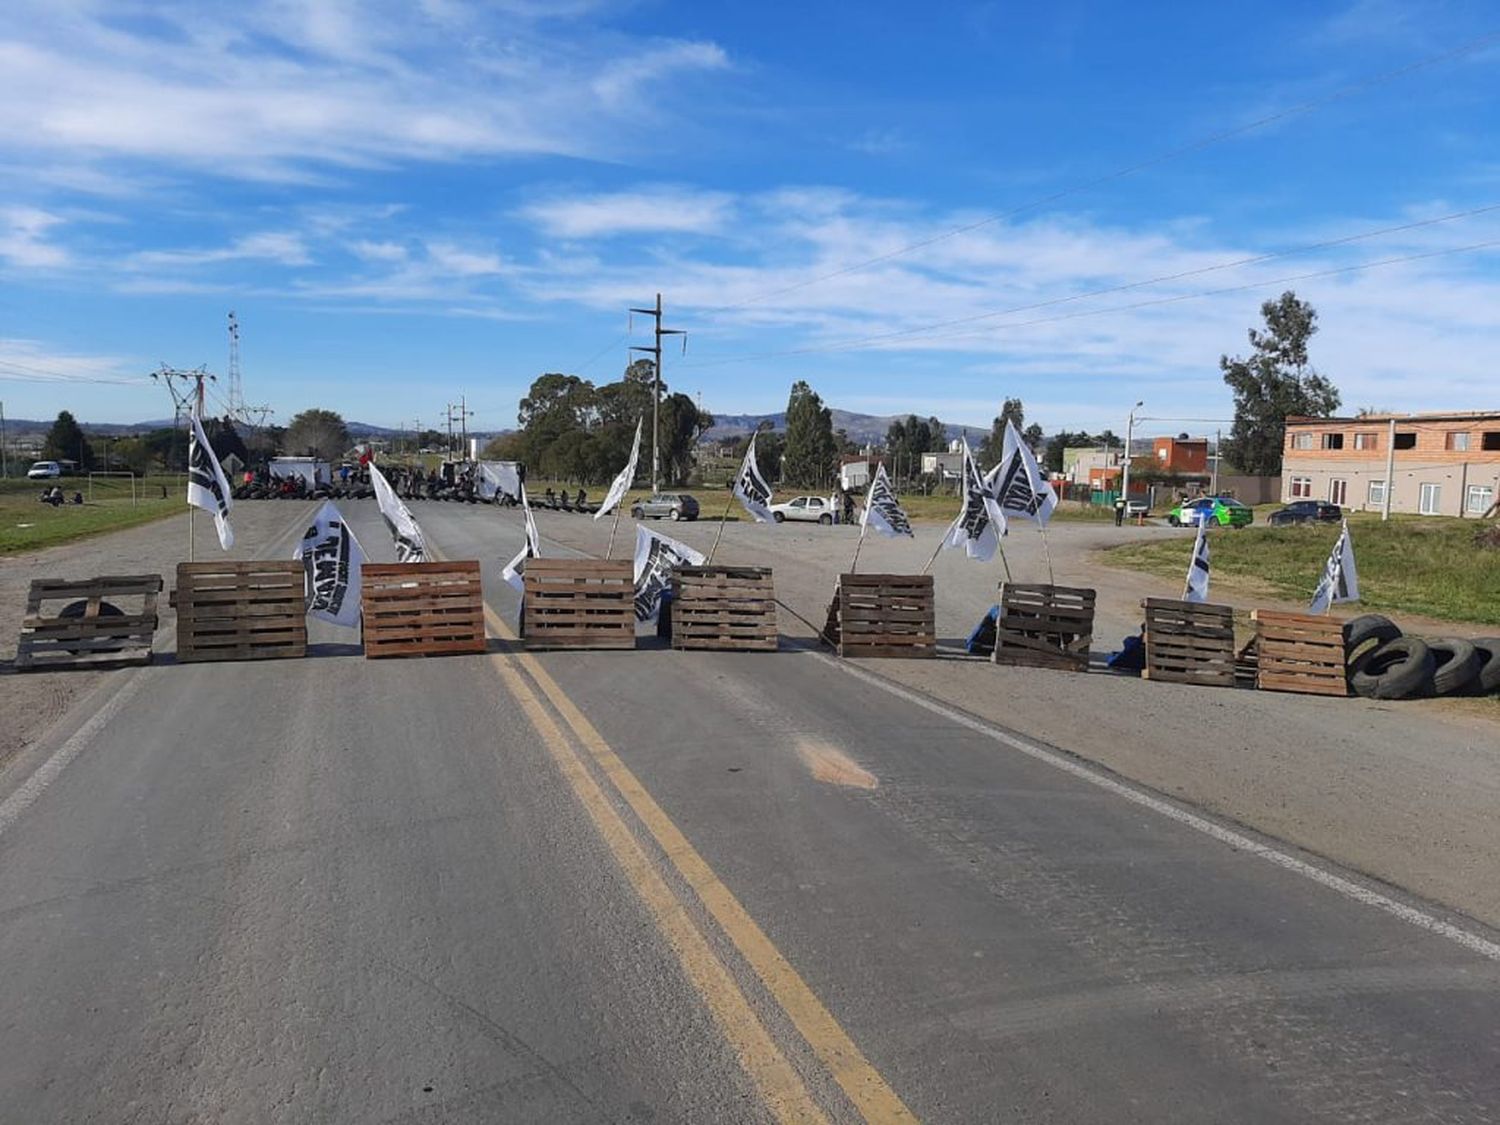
861 428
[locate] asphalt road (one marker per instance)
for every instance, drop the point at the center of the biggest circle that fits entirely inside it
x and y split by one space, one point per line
655 886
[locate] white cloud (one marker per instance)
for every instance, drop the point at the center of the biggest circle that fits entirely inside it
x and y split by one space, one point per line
23 238
451 259
281 247
378 251
285 90
664 210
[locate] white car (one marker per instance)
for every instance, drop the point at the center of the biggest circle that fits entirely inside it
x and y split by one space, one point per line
808 509
44 470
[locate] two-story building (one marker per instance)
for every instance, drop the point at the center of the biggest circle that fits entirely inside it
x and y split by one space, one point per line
1183 456
1439 464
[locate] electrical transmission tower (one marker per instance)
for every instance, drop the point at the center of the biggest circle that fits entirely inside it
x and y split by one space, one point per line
655 354
236 388
459 412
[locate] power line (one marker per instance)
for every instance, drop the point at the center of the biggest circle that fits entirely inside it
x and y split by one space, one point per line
1201 143
1125 287
21 373
860 344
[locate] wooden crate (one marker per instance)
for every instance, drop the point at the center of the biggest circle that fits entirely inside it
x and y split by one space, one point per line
724 607
422 609
88 636
241 610
1299 652
883 615
1044 626
1189 642
579 603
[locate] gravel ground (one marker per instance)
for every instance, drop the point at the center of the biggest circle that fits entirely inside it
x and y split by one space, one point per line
1405 792
31 702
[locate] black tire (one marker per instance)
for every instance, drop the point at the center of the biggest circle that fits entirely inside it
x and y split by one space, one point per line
1457 666
637 514
676 514
778 517
1398 669
106 609
1487 682
1364 635
1173 521
826 521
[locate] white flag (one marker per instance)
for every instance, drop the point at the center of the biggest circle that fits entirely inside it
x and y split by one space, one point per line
626 478
1017 482
410 546
656 557
332 560
1340 582
1197 576
751 489
207 488
883 510
980 523
515 570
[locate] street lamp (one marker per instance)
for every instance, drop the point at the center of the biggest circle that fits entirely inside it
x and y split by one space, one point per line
1129 433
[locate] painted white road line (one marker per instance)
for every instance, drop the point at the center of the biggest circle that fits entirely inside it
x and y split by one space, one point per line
1473 942
46 773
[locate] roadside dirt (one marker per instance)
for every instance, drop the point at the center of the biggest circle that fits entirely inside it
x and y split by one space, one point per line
1404 792
31 702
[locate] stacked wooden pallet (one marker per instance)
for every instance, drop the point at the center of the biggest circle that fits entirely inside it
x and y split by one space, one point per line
883 615
1189 642
241 610
724 607
1299 652
579 603
89 628
1044 626
422 609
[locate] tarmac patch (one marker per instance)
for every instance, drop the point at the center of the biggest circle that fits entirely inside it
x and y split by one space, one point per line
830 764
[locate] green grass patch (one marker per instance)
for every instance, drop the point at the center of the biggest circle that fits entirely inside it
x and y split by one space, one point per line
26 525
1413 564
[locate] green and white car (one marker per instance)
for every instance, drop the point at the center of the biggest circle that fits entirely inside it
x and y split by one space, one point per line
1222 511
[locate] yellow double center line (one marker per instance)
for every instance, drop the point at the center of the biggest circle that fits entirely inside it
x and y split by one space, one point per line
779 1083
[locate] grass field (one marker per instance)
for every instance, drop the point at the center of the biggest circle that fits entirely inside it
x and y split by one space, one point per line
1412 564
26 525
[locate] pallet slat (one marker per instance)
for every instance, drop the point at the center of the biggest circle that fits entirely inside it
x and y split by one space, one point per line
1300 652
253 610
49 640
422 609
1189 642
883 615
579 603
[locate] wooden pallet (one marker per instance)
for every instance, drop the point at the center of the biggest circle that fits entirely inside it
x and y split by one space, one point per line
579 603
1299 652
241 610
883 615
88 636
422 609
724 607
1044 626
1189 642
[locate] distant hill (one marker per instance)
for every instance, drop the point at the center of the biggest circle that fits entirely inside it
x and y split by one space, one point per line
861 428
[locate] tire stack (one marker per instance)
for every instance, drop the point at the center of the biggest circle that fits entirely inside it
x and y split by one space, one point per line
1385 664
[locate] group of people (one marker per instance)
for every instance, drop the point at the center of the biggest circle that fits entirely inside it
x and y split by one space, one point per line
559 502
54 496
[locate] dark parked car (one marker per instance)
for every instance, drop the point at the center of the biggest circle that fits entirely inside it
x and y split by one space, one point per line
673 505
1305 511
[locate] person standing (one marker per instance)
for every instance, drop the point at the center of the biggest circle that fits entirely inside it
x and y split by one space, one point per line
1119 509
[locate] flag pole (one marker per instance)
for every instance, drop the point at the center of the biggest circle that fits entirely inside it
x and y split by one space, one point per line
1051 578
613 527
720 533
854 562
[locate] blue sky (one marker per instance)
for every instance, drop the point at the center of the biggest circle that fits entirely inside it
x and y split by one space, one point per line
409 202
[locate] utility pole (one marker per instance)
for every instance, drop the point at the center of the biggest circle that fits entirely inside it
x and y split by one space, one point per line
1129 433
4 464
236 389
655 353
186 389
1213 487
1390 470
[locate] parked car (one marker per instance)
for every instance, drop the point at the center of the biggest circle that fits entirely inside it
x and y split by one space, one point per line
808 509
44 470
1306 511
1134 508
1227 513
671 505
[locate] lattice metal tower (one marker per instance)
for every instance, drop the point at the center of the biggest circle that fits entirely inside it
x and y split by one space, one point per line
236 388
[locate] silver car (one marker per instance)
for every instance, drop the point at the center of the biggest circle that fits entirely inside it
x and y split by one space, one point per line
671 505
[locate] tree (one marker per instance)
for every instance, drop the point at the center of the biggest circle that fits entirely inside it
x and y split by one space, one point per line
1011 410
1033 436
225 439
769 446
65 442
809 456
681 424
1273 382
317 433
1052 460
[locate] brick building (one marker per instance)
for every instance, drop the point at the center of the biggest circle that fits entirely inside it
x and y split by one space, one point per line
1180 455
1441 464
